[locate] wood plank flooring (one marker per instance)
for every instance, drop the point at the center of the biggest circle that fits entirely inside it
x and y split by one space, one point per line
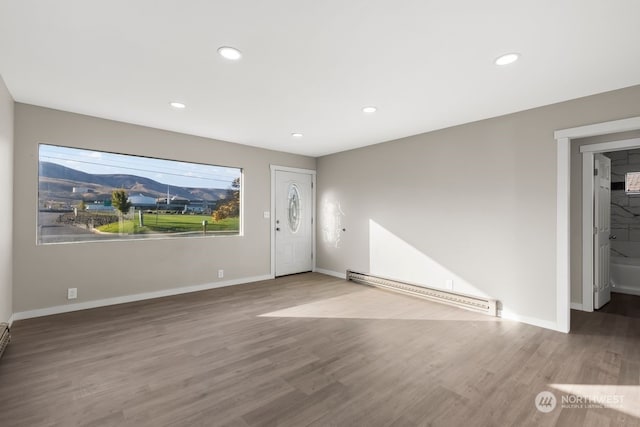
623 304
311 350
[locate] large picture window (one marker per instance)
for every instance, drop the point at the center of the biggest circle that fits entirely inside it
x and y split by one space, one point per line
87 195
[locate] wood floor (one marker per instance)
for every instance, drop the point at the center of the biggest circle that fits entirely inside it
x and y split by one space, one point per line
623 304
310 350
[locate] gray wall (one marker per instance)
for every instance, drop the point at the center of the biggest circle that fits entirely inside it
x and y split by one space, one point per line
475 203
6 188
42 274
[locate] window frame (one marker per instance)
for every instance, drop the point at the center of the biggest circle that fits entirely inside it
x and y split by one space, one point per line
120 237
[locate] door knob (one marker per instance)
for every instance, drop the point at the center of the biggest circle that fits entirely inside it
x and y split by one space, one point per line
277 228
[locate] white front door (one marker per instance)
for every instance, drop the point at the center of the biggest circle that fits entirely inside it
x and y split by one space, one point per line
602 231
293 222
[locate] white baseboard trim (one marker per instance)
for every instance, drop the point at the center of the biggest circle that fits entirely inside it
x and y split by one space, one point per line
10 321
501 313
577 306
131 298
547 324
505 314
623 290
331 273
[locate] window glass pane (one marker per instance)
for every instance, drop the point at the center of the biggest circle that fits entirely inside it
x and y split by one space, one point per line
87 195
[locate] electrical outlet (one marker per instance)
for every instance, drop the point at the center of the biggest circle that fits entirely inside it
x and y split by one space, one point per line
220 274
266 214
449 284
72 293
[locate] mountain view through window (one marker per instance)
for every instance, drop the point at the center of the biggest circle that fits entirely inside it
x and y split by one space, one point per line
87 195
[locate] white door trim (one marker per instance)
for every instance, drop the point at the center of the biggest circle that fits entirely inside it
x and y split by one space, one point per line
563 272
588 190
563 275
311 172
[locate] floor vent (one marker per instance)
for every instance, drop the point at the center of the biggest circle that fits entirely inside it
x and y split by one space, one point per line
5 337
482 305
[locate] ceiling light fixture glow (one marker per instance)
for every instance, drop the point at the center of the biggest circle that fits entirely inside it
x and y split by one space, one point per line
507 59
178 105
230 53
369 110
296 135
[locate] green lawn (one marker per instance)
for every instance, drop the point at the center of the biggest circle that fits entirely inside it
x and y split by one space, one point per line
165 223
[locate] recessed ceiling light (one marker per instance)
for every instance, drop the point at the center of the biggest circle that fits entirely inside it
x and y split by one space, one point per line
178 105
369 109
507 59
296 135
230 53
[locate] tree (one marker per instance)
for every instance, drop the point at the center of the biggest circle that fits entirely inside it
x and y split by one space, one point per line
82 206
229 208
120 201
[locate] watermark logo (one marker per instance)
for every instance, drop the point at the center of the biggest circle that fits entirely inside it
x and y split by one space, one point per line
546 401
593 401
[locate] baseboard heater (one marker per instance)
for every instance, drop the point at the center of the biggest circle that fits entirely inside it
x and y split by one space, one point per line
5 337
479 304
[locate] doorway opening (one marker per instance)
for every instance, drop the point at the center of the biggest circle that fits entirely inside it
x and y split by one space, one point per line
563 207
610 224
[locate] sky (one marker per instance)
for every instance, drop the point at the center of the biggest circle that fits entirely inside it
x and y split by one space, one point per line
170 172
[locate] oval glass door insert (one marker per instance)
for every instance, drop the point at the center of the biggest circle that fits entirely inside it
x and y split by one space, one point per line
294 208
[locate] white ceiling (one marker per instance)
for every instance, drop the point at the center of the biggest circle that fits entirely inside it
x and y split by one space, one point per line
310 66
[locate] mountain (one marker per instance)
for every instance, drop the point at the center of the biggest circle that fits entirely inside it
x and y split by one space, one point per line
57 182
